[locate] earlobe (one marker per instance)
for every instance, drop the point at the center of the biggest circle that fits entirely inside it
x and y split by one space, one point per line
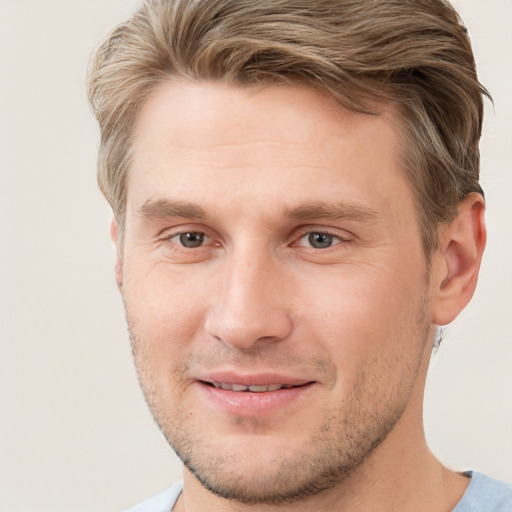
119 264
457 260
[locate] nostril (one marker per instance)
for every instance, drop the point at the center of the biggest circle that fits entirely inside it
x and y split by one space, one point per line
241 330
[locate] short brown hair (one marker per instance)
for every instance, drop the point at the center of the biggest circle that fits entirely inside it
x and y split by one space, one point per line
415 54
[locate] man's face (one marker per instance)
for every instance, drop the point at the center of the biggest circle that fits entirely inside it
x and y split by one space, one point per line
275 285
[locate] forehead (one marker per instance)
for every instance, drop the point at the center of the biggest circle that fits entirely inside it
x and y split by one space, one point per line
193 137
202 114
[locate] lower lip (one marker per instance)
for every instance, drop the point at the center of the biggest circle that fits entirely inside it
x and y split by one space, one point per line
246 403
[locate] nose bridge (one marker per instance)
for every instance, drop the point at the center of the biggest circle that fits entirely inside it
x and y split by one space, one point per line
251 304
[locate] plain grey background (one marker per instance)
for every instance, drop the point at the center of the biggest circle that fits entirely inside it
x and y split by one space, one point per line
75 433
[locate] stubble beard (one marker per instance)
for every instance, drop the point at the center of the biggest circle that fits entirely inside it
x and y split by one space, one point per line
337 448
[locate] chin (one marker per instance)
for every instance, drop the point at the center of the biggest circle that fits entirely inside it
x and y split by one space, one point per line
271 469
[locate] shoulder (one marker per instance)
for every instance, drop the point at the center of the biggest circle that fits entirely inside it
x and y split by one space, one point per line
485 494
161 502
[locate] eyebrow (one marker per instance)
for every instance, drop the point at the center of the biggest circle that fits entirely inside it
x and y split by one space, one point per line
333 211
162 208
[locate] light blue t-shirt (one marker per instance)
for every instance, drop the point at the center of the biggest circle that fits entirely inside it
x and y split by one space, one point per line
483 494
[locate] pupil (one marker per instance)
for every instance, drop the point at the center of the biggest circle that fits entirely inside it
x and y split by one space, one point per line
191 239
320 240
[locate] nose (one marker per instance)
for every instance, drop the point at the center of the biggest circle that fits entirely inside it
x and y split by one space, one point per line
251 306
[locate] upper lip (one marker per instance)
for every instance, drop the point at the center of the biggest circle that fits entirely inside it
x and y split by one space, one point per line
252 379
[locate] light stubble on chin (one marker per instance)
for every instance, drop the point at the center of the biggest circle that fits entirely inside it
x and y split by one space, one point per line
334 453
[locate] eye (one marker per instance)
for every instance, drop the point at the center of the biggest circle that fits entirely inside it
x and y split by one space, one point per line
190 239
319 240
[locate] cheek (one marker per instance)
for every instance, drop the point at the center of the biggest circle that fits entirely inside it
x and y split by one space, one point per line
161 326
164 309
359 313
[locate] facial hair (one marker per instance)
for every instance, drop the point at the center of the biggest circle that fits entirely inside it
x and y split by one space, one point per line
336 448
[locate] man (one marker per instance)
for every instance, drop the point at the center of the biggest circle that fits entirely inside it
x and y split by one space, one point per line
297 210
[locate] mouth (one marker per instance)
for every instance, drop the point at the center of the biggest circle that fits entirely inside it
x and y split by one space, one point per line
252 395
250 389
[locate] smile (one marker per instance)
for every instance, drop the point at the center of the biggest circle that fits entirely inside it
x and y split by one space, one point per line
252 396
253 389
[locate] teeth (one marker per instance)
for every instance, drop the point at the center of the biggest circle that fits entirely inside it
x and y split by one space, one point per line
254 389
257 389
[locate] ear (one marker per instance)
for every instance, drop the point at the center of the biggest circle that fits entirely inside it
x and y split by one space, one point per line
114 234
457 261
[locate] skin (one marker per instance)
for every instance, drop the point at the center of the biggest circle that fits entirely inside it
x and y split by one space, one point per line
255 296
